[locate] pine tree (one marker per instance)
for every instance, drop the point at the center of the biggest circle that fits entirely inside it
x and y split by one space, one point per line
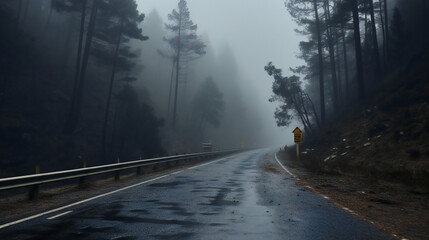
76 102
300 10
186 44
120 20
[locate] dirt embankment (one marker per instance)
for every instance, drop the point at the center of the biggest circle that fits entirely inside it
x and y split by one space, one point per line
393 207
386 139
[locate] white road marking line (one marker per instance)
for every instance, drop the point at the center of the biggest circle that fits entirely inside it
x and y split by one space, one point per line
59 215
96 197
80 202
281 165
326 197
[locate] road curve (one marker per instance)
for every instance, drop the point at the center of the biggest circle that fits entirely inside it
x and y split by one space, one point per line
243 196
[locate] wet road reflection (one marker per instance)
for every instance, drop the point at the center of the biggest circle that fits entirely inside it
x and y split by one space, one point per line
234 198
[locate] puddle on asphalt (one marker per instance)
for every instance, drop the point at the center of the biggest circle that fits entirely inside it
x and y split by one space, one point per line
254 219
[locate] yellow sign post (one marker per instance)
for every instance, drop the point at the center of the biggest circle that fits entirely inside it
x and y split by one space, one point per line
297 133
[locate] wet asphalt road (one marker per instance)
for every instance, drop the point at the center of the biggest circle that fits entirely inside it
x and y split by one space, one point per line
234 198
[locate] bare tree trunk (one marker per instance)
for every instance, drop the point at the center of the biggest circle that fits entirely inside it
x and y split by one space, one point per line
384 35
77 68
300 114
109 96
77 96
340 87
358 51
314 110
177 70
366 19
171 86
305 113
320 56
386 27
346 66
331 56
376 52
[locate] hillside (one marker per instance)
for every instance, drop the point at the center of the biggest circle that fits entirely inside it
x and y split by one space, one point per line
374 159
384 139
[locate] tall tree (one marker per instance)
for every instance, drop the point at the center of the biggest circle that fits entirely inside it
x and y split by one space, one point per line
320 56
341 20
358 49
331 51
376 53
386 28
185 43
122 20
75 108
300 10
295 102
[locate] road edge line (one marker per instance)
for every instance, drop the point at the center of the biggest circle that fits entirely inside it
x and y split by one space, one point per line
98 196
80 202
329 199
59 215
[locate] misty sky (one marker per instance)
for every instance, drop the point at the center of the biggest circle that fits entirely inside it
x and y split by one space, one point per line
258 31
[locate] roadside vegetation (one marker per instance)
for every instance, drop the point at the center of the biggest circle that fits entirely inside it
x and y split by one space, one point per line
362 95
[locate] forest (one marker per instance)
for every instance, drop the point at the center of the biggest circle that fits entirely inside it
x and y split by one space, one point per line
362 95
97 81
351 48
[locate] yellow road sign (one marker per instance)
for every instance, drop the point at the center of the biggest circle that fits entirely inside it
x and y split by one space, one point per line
297 133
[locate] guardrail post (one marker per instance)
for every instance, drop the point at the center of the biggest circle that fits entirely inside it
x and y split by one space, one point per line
117 173
139 169
82 179
34 190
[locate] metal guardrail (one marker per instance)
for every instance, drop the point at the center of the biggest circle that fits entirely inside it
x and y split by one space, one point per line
34 180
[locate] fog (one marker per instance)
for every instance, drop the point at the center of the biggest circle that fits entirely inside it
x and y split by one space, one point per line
93 81
256 32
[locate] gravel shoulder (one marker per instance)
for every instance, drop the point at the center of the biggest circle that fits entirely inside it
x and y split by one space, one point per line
396 208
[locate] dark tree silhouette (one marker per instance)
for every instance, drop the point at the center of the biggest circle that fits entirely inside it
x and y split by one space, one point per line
358 49
208 104
331 51
295 102
122 20
186 44
299 9
76 101
376 53
398 38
